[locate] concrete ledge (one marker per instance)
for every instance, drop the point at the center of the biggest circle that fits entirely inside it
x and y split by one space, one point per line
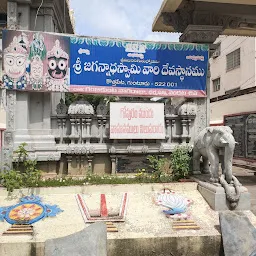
159 246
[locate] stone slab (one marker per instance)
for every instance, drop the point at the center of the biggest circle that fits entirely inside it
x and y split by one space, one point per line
92 241
238 234
215 196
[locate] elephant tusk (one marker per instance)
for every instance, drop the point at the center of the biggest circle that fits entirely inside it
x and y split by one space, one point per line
236 143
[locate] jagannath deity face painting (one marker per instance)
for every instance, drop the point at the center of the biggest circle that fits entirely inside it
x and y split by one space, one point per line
57 62
15 58
37 68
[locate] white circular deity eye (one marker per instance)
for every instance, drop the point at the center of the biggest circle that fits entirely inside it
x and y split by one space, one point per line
62 65
52 64
9 61
20 61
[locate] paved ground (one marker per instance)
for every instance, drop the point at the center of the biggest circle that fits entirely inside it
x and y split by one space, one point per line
248 179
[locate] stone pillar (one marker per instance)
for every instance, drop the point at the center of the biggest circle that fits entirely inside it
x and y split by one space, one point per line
173 128
79 130
83 129
73 132
72 165
69 159
89 159
88 130
184 130
104 129
12 23
100 125
83 165
168 130
62 128
113 164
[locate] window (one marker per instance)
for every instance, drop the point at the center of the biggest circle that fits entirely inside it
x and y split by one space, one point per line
233 60
216 84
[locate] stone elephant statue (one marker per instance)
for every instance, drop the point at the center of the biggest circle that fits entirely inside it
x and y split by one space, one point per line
216 145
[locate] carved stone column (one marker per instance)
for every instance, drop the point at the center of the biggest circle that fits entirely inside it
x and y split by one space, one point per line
73 134
69 159
89 159
100 125
84 130
168 130
83 165
104 129
79 130
184 130
88 130
59 122
113 164
189 122
173 128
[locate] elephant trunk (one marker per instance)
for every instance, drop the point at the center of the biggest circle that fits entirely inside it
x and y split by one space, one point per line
228 158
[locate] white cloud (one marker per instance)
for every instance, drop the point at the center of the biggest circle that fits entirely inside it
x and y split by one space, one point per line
165 37
118 18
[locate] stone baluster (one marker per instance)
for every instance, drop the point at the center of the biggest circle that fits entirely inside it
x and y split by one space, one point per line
104 135
64 128
59 122
173 128
70 169
73 130
100 125
78 164
79 130
168 130
89 159
84 130
83 165
113 164
189 123
88 130
184 129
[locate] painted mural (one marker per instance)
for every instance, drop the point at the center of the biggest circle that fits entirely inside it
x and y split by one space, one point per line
35 61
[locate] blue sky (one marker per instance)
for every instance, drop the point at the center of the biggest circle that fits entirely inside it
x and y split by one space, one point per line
129 19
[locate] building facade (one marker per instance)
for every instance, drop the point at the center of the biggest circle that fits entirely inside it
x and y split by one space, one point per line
233 73
233 93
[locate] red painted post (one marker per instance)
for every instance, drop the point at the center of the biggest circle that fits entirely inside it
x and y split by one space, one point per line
103 206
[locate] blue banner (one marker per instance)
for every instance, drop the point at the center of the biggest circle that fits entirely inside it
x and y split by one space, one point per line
38 61
136 68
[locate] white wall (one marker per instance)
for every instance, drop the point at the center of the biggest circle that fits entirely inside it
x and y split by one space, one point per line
241 104
244 76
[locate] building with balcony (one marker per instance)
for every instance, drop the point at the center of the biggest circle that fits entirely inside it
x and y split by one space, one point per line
233 93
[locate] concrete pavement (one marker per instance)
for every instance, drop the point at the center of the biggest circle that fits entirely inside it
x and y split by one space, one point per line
247 179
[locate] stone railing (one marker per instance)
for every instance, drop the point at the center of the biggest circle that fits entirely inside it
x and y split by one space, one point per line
79 125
